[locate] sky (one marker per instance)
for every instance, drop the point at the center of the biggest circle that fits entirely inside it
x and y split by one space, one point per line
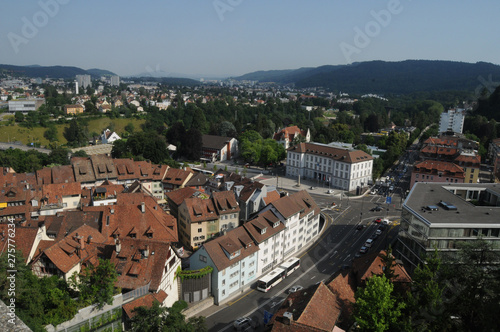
220 38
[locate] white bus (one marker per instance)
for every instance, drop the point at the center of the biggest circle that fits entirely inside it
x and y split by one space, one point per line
290 265
270 280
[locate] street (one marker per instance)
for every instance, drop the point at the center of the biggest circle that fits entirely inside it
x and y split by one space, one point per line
337 246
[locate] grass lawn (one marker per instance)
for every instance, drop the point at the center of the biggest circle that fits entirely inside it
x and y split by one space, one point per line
26 135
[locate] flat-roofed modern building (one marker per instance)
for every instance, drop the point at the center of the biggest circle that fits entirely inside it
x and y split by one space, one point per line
25 105
439 215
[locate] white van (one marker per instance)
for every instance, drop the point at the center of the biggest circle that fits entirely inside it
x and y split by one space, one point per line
368 243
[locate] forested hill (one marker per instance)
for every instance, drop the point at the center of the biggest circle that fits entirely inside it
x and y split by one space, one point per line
386 77
490 107
50 71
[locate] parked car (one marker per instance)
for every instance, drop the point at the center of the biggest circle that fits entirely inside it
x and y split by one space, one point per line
368 243
294 289
378 232
360 227
376 208
363 250
242 323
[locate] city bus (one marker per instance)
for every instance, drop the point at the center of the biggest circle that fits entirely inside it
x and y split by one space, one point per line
270 280
290 265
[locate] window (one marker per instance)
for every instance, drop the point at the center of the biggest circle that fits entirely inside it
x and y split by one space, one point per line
200 230
223 282
203 258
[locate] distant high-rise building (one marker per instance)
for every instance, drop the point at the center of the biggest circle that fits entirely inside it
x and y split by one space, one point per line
453 120
115 80
83 81
76 87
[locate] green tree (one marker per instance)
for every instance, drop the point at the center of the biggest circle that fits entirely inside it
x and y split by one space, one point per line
472 290
51 133
376 309
80 153
59 156
130 127
76 134
157 318
96 284
425 310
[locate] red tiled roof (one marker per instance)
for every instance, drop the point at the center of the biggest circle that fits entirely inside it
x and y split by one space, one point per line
339 154
135 269
144 301
434 166
263 221
299 202
234 240
271 196
179 195
25 239
313 309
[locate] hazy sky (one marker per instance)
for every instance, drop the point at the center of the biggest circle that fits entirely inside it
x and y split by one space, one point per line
233 37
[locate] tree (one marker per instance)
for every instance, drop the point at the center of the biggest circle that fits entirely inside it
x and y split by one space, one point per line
388 259
96 284
375 308
76 133
51 133
191 146
80 153
130 128
425 308
472 290
157 318
148 319
59 156
227 129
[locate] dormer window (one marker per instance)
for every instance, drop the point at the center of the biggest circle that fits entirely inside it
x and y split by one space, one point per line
263 231
276 224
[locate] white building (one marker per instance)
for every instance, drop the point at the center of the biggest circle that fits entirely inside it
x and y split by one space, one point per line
338 168
115 80
25 105
83 80
109 137
453 120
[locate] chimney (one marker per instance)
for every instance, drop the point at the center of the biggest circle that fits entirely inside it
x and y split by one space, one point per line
287 318
290 302
89 239
146 252
143 207
112 211
118 246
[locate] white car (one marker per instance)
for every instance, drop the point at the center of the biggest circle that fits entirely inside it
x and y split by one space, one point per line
242 322
294 289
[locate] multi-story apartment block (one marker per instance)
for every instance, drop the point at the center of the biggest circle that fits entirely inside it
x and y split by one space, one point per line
441 215
339 168
300 215
437 171
201 219
267 232
452 121
234 260
83 81
73 109
115 80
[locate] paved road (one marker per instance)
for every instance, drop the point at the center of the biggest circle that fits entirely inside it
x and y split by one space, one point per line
337 246
6 146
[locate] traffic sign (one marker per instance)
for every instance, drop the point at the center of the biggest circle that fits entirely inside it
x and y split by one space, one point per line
267 316
388 199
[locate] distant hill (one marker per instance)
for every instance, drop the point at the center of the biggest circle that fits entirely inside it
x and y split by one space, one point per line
385 77
64 72
168 80
100 72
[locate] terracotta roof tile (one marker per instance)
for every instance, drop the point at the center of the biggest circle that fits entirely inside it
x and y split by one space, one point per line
339 154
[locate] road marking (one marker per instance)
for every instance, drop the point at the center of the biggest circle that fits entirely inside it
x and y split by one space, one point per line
323 270
313 277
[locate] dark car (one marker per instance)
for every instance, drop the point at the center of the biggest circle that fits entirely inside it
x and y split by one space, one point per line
376 208
360 227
